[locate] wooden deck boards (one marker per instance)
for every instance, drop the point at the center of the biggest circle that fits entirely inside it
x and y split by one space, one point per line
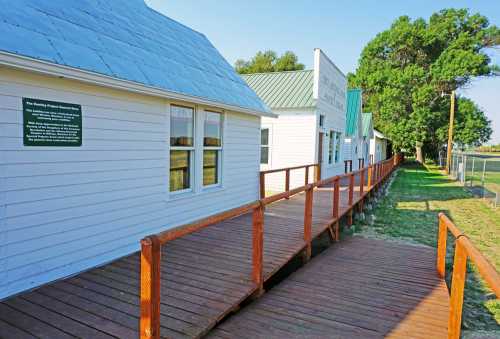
359 288
205 275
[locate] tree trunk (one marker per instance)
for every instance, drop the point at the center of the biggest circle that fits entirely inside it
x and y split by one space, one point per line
419 153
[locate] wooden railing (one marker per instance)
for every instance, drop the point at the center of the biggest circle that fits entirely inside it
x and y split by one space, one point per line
151 245
287 171
464 249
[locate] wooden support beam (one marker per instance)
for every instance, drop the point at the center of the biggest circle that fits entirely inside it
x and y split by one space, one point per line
258 247
441 248
336 204
308 221
457 290
262 185
150 288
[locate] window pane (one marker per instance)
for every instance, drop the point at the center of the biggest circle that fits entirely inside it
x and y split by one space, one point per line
180 163
337 148
331 146
213 128
264 155
210 167
181 126
264 136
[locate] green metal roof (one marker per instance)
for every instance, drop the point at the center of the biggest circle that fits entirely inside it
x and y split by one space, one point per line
367 123
353 111
293 89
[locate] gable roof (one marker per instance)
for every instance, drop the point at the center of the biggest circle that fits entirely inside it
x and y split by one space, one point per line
292 89
124 40
367 124
353 111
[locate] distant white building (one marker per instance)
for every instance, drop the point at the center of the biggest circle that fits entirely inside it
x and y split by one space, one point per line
378 146
310 105
368 132
353 143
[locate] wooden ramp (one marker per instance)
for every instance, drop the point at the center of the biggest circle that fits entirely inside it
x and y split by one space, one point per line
359 288
205 276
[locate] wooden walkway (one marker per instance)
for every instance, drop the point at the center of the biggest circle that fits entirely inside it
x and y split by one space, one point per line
205 276
359 288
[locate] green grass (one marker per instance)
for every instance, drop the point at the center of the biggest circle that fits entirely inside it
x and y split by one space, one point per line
409 213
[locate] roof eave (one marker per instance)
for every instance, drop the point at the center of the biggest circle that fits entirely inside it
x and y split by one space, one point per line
48 68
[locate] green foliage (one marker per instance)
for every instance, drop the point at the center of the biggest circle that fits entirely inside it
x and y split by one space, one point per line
268 61
404 70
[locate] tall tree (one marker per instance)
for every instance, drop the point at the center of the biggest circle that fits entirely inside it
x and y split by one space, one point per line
405 70
268 61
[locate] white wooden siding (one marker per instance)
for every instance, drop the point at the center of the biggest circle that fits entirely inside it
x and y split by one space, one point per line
64 210
292 142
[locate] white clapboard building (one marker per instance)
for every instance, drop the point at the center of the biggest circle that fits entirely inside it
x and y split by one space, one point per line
310 105
353 142
379 147
115 122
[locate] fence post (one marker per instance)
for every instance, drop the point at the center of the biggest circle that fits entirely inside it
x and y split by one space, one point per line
308 221
457 290
472 172
441 247
336 203
262 185
361 182
258 247
370 173
345 166
482 178
317 172
306 180
287 181
150 288
350 165
351 193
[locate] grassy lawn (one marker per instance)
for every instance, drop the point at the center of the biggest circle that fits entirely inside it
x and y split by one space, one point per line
409 214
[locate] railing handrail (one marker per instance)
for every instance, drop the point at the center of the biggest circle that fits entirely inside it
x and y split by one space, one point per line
151 245
283 169
464 249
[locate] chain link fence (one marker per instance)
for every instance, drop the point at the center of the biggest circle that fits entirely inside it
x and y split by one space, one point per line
480 173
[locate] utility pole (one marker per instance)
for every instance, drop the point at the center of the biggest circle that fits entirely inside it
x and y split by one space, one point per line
450 132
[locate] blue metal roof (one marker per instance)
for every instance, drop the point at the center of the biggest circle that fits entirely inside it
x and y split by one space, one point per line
123 39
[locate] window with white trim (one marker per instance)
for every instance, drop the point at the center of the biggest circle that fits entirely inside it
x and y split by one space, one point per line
264 146
181 148
331 146
212 148
337 147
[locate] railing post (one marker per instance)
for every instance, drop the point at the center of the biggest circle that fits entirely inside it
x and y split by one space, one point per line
336 203
441 247
306 181
262 185
287 181
457 290
351 193
350 165
318 172
150 288
308 221
361 182
370 173
258 247
345 166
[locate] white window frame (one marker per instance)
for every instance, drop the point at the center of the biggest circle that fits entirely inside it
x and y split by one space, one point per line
191 149
337 147
331 146
268 146
213 148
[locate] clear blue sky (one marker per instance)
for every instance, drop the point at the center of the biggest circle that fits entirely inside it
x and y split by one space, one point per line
341 28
